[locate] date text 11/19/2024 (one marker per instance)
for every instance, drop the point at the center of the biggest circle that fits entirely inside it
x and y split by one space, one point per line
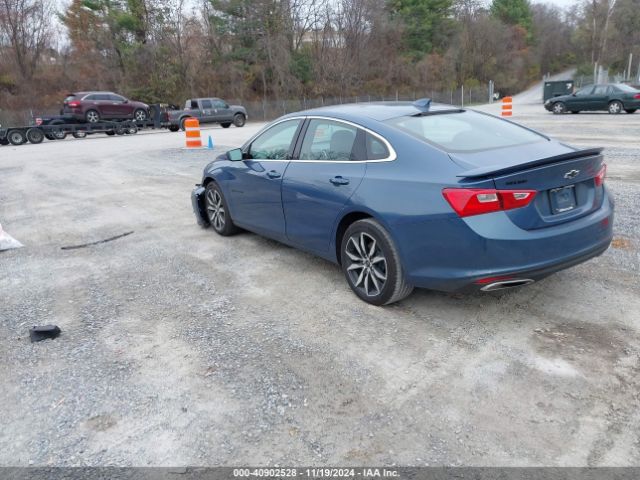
316 472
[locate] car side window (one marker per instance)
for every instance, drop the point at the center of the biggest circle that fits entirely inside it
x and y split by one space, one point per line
600 90
194 105
329 140
91 98
206 104
376 149
220 104
275 143
116 98
584 91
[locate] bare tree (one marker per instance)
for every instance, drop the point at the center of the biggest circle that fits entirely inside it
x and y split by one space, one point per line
25 26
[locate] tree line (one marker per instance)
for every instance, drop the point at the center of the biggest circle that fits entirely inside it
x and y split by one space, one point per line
169 50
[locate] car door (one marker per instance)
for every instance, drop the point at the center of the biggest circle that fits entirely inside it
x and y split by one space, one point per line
120 106
599 98
318 183
255 192
580 100
222 111
207 111
104 105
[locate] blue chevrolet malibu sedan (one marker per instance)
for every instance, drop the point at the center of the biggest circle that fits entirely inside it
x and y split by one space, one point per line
405 195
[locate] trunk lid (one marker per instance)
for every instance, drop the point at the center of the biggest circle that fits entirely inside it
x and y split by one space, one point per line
564 180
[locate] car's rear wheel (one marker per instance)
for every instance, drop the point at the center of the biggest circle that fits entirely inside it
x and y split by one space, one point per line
631 110
16 137
226 124
575 111
35 135
615 107
239 120
79 134
559 107
371 263
92 116
217 211
182 125
140 115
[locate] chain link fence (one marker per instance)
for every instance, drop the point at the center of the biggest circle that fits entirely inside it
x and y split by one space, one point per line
268 109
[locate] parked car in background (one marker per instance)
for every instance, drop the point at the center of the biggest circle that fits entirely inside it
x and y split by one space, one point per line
92 107
208 110
406 195
612 97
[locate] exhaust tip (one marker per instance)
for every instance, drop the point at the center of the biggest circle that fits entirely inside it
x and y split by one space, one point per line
504 284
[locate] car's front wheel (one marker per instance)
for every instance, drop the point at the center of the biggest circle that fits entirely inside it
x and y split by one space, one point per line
371 264
140 115
239 120
559 107
217 211
615 107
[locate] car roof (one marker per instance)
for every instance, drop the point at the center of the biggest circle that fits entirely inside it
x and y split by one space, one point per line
379 111
92 92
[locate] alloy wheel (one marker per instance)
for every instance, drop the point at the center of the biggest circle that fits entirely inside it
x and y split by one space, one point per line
141 116
93 117
215 209
558 107
615 107
368 265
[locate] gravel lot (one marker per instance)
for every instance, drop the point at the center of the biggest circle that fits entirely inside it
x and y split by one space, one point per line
180 347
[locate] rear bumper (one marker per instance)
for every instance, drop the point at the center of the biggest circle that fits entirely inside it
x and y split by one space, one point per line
453 254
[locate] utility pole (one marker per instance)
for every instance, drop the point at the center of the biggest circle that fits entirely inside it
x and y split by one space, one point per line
630 61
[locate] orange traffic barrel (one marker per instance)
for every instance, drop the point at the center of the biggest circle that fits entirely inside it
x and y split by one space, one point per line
192 132
507 106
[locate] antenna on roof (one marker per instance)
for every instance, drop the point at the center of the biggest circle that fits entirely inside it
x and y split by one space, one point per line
423 104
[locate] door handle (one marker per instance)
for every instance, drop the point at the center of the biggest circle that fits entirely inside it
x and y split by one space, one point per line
273 174
338 180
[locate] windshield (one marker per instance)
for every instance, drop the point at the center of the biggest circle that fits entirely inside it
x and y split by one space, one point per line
465 131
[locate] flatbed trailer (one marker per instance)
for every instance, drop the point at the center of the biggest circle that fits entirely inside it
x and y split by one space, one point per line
59 129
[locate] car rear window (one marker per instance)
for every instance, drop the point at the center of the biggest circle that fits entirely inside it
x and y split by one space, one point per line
465 131
626 88
70 98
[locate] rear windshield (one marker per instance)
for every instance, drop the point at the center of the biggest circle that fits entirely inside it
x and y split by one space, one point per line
625 88
465 131
69 98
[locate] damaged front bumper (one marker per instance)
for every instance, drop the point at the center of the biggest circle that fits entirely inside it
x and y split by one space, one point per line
198 204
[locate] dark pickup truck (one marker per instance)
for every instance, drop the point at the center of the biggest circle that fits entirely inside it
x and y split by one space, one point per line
208 110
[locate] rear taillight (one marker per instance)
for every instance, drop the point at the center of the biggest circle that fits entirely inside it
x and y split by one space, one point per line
476 201
38 121
637 96
599 178
74 104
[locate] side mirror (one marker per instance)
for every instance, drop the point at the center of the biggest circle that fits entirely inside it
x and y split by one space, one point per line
235 155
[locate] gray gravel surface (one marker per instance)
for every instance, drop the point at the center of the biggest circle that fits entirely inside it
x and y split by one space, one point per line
180 347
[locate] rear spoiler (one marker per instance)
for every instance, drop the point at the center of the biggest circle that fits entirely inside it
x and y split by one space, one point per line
501 169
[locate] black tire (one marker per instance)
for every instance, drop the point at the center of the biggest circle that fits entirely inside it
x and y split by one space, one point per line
226 124
140 115
92 116
182 120
378 282
16 137
217 211
49 136
174 128
239 120
615 107
35 135
630 110
131 130
575 111
111 133
559 108
120 130
79 134
4 141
